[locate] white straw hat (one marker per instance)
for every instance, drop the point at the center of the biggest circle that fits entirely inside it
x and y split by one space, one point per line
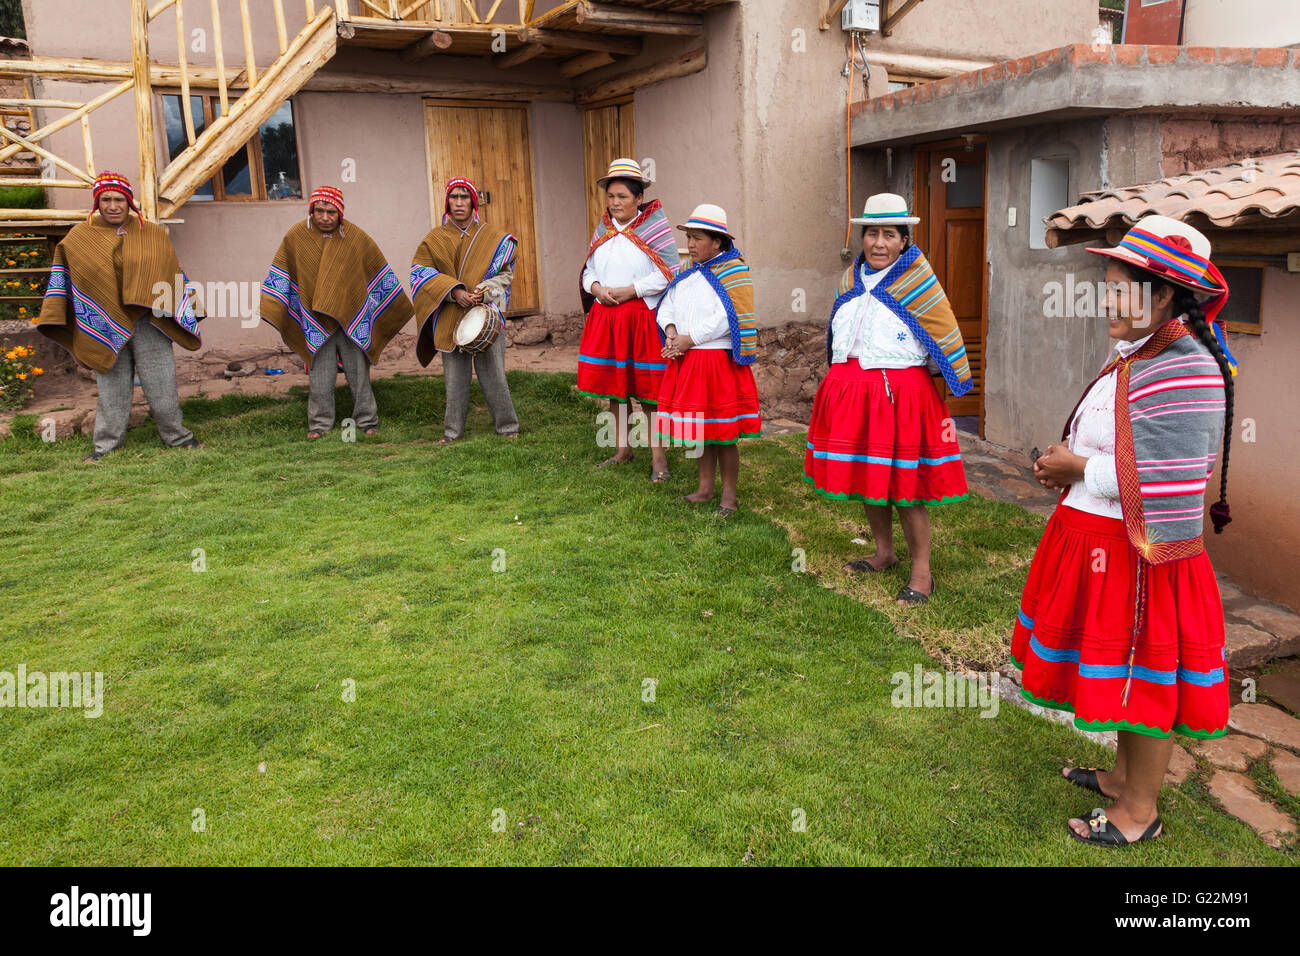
886 209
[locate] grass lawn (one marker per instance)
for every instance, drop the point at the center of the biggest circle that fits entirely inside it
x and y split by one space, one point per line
512 695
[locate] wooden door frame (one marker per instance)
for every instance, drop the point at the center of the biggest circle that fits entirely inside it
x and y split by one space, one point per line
626 99
435 215
921 153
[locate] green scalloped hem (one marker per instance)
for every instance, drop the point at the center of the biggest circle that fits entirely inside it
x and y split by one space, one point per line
854 496
1020 665
1098 726
621 399
680 443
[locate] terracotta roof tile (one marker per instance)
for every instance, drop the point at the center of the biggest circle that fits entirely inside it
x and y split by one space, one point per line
1266 186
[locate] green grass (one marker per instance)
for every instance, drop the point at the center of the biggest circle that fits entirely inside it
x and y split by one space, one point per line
520 690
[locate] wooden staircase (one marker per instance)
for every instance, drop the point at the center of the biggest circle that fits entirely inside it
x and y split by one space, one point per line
249 96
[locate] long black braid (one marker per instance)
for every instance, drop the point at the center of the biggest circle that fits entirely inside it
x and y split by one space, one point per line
1185 303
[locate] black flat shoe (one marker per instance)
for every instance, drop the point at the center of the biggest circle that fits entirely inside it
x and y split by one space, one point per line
864 564
1086 777
912 597
1099 834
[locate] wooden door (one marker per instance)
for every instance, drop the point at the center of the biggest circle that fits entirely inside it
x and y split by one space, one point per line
607 134
950 198
489 143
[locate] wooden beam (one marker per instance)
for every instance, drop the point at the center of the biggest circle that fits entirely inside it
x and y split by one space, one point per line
574 40
520 54
330 82
310 50
61 215
28 145
81 110
436 41
147 187
585 63
636 20
690 62
830 9
892 19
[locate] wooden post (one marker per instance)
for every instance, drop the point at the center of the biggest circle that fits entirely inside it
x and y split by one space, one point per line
250 60
85 139
311 10
280 33
492 11
219 53
148 185
186 110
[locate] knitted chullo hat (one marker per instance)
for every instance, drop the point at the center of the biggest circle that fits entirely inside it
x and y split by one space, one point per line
462 183
327 194
107 182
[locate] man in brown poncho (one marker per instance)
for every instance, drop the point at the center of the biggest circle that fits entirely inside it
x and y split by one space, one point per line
101 305
334 300
459 265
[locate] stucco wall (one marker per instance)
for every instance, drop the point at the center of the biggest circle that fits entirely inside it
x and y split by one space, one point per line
1242 23
997 31
1258 550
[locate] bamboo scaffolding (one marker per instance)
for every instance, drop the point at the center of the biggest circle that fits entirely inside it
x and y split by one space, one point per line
187 110
82 110
218 51
250 62
28 145
280 33
86 144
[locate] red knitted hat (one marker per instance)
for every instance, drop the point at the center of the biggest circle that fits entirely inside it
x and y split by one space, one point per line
326 194
463 183
107 182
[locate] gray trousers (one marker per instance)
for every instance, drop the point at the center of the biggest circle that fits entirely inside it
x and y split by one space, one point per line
148 353
490 364
324 375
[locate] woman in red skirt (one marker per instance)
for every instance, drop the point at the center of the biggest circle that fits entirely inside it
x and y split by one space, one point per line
708 399
1121 620
631 260
880 433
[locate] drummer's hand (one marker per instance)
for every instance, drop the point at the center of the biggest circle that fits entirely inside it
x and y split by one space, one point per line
1059 467
476 297
463 298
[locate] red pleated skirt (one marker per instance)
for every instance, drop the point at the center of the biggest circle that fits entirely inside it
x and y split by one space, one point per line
620 355
882 446
1075 626
708 398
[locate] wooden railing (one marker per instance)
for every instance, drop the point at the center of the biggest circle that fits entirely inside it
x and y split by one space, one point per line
435 12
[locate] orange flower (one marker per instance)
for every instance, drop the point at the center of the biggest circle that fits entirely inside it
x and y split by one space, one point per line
36 318
38 371
22 376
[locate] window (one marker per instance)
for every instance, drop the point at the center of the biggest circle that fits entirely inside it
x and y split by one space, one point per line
1244 309
1049 191
267 166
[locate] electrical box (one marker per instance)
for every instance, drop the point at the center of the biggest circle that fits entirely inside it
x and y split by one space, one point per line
861 15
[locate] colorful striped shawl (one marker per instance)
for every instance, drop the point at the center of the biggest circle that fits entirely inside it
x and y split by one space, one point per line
1169 408
650 232
728 275
912 292
317 285
100 281
448 259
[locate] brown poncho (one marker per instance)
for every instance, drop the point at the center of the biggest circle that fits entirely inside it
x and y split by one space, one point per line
448 258
103 279
318 285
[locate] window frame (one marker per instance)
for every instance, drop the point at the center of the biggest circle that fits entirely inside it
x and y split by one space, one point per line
1260 266
257 170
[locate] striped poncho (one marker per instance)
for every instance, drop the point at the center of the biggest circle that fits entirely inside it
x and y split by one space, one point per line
912 292
728 275
1169 408
650 232
103 278
318 285
448 259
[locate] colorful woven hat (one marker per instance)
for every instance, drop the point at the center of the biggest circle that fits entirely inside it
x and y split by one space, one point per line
107 182
709 218
1180 254
463 183
886 209
327 194
623 169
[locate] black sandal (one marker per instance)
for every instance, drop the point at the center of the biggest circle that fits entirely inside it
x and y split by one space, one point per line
1099 834
1086 777
911 597
864 564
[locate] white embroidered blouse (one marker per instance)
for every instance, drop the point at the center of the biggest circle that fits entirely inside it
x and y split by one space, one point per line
866 330
1092 436
620 262
696 310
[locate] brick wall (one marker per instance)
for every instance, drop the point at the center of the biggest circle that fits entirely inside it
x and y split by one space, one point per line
1204 142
